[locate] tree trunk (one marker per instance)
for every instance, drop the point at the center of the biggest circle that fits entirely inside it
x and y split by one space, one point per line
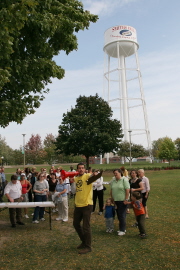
87 162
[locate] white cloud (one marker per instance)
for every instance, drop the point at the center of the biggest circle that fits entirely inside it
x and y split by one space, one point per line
160 76
104 7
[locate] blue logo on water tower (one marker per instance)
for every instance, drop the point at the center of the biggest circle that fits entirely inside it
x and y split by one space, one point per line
126 33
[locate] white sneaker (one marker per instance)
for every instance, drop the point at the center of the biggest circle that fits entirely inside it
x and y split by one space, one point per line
65 220
121 233
100 213
35 221
54 210
107 230
42 219
58 218
111 230
26 216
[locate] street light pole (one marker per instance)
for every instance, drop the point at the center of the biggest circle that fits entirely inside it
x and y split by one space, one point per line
130 145
24 147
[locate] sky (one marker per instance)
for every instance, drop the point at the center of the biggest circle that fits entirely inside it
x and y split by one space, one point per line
157 24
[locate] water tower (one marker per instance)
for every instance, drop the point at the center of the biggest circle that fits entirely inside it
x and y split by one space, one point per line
123 83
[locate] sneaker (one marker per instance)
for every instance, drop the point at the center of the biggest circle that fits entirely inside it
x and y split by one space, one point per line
26 216
107 230
65 220
35 221
54 210
58 218
143 236
121 233
32 214
42 219
100 213
111 230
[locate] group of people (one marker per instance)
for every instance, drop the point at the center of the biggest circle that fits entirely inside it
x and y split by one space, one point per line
29 185
126 192
88 186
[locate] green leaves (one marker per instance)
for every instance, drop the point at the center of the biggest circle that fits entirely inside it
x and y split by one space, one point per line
88 128
32 32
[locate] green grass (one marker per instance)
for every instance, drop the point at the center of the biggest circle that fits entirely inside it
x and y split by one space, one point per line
34 246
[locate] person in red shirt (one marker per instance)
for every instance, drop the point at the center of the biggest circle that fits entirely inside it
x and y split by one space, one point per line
139 212
26 186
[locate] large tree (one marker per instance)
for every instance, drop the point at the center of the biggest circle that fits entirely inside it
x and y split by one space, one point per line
137 150
34 150
32 33
177 145
88 129
50 148
167 150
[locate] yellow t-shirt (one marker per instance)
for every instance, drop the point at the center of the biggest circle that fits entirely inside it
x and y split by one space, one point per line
83 191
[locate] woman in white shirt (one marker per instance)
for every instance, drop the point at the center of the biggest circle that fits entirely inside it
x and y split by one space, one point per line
98 193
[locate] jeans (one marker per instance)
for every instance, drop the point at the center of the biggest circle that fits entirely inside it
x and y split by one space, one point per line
110 223
39 211
121 214
84 231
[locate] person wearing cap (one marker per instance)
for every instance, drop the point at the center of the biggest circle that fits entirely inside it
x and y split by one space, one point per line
13 191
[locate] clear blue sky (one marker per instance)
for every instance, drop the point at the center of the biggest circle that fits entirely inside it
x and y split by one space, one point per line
157 24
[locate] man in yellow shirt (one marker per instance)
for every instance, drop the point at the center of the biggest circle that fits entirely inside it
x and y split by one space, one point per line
83 208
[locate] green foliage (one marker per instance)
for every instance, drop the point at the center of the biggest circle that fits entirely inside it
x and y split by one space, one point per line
177 145
167 149
32 33
137 150
156 146
6 152
49 148
88 129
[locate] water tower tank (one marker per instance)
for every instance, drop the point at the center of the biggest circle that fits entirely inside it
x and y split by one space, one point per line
121 36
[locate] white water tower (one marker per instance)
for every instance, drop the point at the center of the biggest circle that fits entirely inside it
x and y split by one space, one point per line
123 83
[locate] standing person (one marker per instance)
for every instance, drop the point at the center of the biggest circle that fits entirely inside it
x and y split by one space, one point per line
28 177
124 171
145 191
136 184
119 193
52 186
26 186
72 189
83 208
3 183
109 215
98 193
40 189
62 201
138 211
13 192
18 173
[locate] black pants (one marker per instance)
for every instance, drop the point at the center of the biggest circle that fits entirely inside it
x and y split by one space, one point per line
141 223
98 194
84 230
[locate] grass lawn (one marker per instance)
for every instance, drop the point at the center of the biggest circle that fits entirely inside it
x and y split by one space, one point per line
34 246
